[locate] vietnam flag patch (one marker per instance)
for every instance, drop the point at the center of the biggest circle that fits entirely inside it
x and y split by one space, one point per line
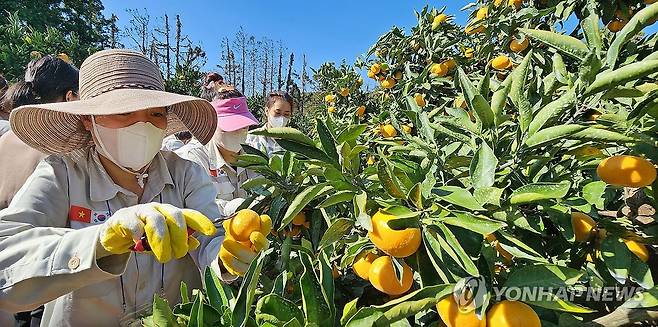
80 214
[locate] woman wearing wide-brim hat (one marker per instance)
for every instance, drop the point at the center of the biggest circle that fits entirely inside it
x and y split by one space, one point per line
77 235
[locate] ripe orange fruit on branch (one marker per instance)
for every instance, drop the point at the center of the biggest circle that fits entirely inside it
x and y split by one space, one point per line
407 129
501 63
438 20
482 13
388 83
376 68
398 75
344 91
517 46
512 314
382 276
440 69
360 111
331 109
639 249
628 171
453 317
515 3
583 226
616 25
362 263
244 223
473 29
371 74
420 100
388 131
397 243
469 53
300 220
329 98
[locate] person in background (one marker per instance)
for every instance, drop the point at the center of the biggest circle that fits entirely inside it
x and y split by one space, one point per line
4 117
47 80
278 110
102 226
176 141
218 156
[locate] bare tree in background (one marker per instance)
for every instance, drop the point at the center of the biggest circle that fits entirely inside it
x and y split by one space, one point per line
114 30
253 53
279 82
241 43
303 83
289 75
139 30
265 66
165 46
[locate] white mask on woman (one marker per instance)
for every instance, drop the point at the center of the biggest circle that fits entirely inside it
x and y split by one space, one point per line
231 141
132 146
278 121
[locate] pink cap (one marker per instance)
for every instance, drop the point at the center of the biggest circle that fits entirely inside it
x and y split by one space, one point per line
233 114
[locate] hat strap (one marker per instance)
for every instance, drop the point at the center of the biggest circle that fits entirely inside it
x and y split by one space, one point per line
124 86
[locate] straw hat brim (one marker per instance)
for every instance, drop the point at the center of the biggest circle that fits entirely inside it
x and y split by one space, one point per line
56 128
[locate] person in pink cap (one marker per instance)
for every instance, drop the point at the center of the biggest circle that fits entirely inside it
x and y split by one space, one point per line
218 156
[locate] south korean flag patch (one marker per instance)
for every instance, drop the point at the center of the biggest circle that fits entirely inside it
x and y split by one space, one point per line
99 217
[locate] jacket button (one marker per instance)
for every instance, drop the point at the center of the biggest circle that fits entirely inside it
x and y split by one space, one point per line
74 263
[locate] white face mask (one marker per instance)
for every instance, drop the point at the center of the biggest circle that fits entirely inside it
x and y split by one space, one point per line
132 147
278 121
231 141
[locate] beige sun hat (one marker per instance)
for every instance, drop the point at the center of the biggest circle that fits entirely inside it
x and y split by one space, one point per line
112 81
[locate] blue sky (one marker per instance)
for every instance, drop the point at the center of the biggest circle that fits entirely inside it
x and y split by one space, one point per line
323 30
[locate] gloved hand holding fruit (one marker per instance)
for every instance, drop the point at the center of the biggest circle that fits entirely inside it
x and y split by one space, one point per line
164 226
245 237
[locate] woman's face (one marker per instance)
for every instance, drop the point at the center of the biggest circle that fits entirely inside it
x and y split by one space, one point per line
155 116
280 107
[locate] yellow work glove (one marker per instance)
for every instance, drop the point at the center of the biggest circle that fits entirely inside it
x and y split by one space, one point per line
164 227
245 237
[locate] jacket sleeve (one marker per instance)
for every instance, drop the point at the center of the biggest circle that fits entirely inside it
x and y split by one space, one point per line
200 194
40 258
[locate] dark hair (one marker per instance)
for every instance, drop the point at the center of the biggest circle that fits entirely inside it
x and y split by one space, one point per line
3 84
46 80
185 135
221 93
271 98
213 84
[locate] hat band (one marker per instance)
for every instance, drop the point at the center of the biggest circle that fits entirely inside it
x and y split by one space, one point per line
123 86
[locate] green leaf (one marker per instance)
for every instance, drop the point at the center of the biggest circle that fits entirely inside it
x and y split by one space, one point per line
499 98
554 133
327 141
327 285
558 304
246 294
413 303
338 197
475 100
635 25
646 299
351 133
564 43
552 110
594 193
196 314
389 180
475 223
360 213
217 295
640 273
539 191
162 315
458 196
545 275
286 133
305 150
313 302
483 167
349 310
301 201
631 72
336 231
517 91
591 30
616 257
277 306
365 317
601 135
465 260
488 195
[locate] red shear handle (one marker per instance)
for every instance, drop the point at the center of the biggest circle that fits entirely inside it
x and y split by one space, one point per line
143 243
